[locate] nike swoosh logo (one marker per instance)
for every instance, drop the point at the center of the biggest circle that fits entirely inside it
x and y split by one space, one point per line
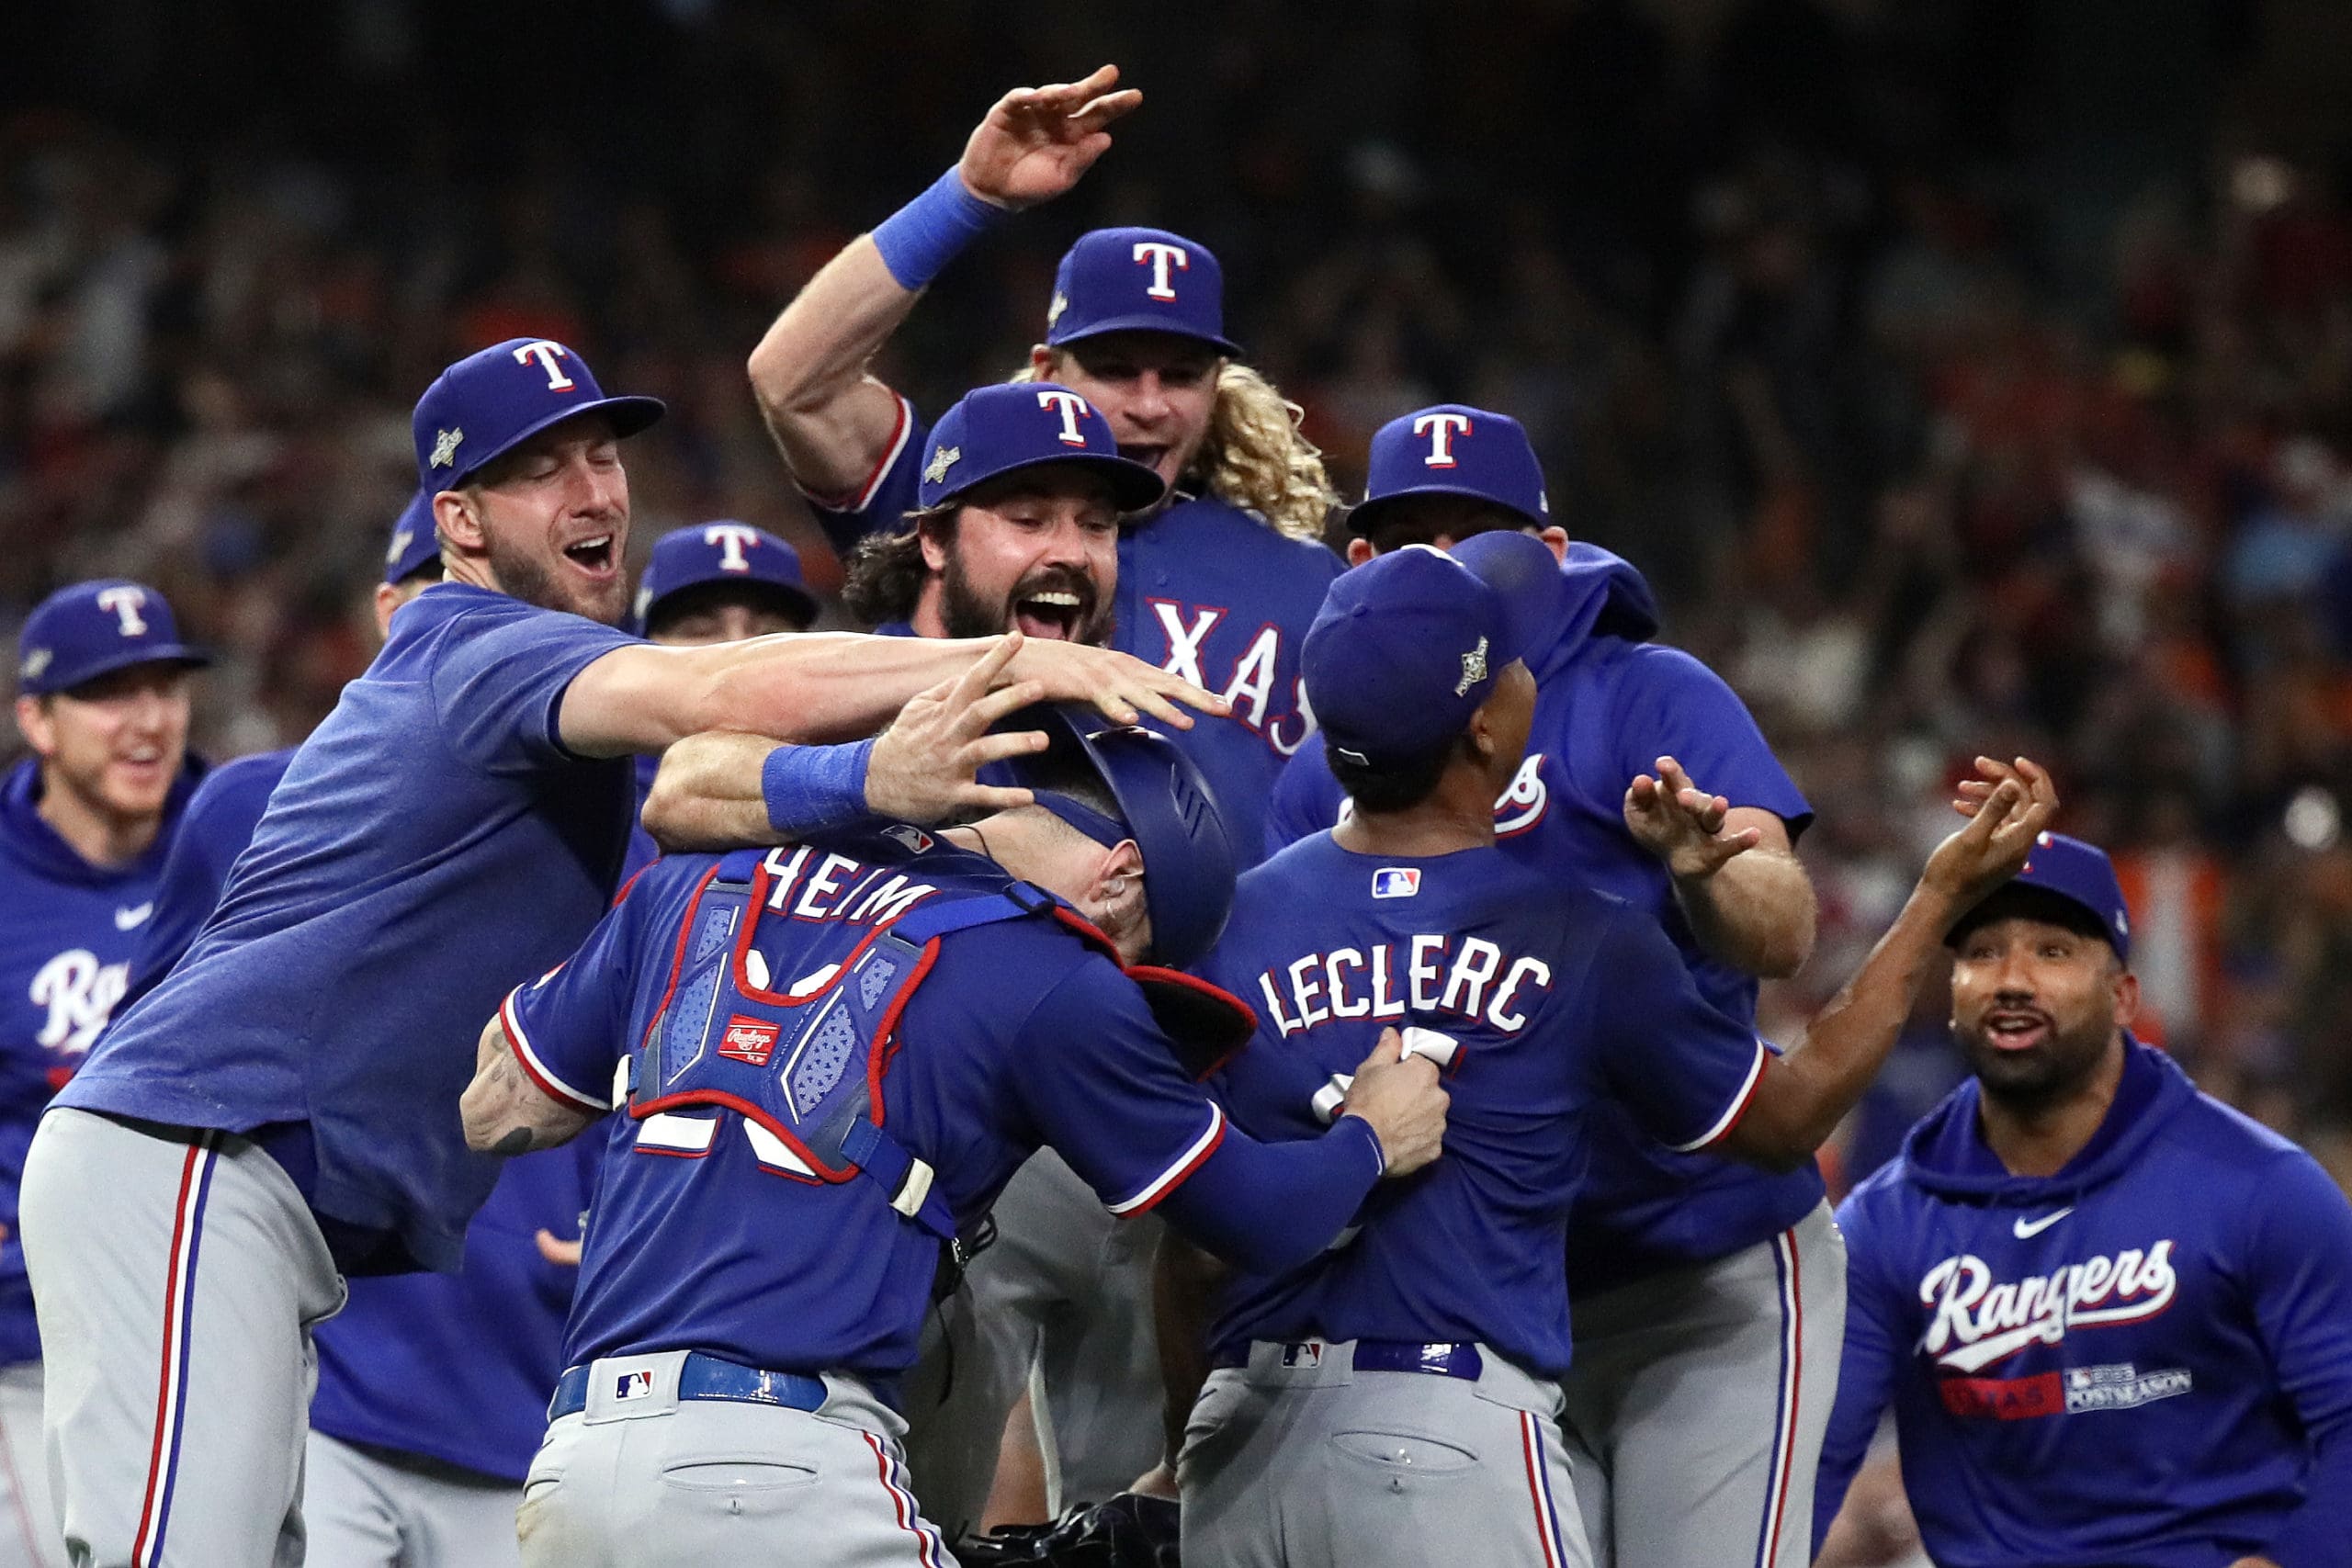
127 919
2027 1230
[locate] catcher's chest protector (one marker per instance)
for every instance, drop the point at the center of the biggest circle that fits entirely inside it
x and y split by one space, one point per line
802 1056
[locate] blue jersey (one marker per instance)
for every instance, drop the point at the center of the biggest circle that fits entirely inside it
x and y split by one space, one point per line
67 933
2144 1358
1557 1000
642 851
1205 590
705 1236
431 843
1609 704
384 1360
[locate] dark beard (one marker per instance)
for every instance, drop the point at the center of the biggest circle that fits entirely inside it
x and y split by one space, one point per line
965 613
2030 1082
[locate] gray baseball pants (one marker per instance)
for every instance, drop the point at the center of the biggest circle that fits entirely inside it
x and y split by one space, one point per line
1066 1290
1322 1466
656 1481
365 1509
30 1536
177 1275
1697 1401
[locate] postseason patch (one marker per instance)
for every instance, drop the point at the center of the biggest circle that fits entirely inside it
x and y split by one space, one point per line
1397 882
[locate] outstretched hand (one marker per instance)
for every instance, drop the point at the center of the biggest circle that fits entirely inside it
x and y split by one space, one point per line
1401 1099
1038 142
1122 686
2008 806
1682 824
925 767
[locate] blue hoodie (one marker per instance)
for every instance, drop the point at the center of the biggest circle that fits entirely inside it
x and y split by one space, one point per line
67 933
1609 704
2145 1359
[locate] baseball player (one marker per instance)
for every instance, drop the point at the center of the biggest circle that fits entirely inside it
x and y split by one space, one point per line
1396 1399
1219 583
1012 525
1708 1295
404 1467
2113 1316
714 583
85 824
831 1055
274 1113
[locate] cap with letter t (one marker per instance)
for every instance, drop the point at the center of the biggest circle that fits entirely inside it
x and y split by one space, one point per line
90 630
703 555
1408 645
1138 280
1453 449
1027 424
494 400
2066 878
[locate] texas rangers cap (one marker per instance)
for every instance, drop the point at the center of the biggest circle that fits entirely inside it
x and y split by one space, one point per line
1165 806
1025 424
1408 645
414 545
492 401
1138 280
1453 449
90 630
2072 870
723 552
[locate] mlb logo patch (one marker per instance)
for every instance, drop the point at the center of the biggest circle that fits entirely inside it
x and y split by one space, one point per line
634 1385
1304 1353
748 1040
912 840
1397 882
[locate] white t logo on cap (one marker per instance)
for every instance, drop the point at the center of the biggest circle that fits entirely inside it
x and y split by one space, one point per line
546 354
125 603
732 539
1162 255
1071 406
1441 428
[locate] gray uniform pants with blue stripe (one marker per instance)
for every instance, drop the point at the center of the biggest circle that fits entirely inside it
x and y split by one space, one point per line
1321 1466
657 1481
1697 1401
177 1275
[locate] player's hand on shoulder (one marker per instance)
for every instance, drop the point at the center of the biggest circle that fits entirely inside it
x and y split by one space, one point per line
1038 142
1682 824
925 767
2007 806
1402 1100
1122 686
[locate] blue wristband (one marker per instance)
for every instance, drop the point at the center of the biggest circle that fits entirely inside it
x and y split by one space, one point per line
920 239
809 789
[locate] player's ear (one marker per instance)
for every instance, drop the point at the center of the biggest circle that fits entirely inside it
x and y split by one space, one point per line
1359 550
2127 997
1557 539
1115 901
1044 362
933 535
35 724
458 524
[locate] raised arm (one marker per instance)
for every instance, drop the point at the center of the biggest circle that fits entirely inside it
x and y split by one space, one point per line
1800 1097
832 420
1735 875
833 686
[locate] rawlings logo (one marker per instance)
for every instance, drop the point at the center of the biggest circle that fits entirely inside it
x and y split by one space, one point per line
1976 1322
80 993
749 1040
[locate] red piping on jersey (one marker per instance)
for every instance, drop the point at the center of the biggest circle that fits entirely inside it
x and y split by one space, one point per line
1746 1102
859 499
678 963
1156 976
625 886
511 1027
1169 1180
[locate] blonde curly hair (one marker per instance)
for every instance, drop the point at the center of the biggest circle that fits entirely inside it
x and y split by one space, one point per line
1255 455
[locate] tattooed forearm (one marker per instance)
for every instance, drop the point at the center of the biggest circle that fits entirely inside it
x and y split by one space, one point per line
504 1112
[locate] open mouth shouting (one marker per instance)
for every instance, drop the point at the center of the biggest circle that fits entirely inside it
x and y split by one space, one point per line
2015 1029
1057 605
595 556
1151 455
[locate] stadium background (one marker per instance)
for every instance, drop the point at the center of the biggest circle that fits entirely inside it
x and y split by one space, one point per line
1966 373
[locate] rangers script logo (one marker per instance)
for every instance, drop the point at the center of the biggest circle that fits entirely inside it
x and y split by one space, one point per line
1977 1321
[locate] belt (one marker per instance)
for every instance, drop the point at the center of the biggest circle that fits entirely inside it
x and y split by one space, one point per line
707 1377
1458 1358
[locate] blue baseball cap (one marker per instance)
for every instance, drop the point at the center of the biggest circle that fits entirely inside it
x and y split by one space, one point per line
1407 646
1453 449
2078 873
415 546
1165 806
727 552
1024 424
90 630
1138 280
493 400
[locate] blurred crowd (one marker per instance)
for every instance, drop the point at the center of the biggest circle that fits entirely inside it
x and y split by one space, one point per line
1942 424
